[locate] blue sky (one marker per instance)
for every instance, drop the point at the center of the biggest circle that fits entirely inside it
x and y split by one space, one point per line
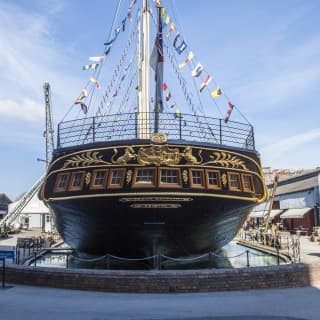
264 54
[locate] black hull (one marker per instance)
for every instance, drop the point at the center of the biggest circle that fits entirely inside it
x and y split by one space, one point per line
133 220
100 226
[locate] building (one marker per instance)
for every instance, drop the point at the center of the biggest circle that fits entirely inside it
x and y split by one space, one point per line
4 202
35 215
296 204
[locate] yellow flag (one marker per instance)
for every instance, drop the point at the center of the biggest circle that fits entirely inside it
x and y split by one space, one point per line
167 21
171 29
216 93
94 80
190 57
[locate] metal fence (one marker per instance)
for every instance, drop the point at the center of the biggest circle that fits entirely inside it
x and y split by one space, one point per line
130 126
290 245
66 258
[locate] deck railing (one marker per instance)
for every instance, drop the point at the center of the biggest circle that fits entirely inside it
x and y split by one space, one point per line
126 126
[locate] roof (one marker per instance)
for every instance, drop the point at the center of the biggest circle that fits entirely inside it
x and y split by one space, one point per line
303 182
35 205
4 199
295 213
262 214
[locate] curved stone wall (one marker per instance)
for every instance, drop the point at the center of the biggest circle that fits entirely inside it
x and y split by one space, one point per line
283 276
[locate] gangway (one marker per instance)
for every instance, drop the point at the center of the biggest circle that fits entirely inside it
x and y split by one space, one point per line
11 217
274 188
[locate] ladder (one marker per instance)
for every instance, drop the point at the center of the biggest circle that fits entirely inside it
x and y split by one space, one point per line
10 218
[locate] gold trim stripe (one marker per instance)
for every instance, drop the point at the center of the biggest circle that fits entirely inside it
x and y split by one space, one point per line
189 194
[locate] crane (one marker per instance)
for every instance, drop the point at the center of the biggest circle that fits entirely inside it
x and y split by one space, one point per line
48 133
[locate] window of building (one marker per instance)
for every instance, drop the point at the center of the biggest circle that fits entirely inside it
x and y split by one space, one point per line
247 183
234 181
116 178
197 180
76 181
99 179
169 178
144 177
62 182
213 179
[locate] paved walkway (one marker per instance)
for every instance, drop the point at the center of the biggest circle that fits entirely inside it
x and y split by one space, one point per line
11 241
309 251
34 303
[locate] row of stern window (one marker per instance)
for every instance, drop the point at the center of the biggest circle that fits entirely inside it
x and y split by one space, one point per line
153 177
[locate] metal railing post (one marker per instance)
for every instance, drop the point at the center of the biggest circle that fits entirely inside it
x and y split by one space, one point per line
180 127
67 261
3 271
58 137
248 264
35 259
136 124
220 126
253 142
93 129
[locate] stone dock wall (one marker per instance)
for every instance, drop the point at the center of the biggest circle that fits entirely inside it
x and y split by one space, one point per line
166 281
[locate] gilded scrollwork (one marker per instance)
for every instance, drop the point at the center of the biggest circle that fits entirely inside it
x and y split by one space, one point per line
224 179
85 159
128 155
129 176
190 158
226 159
159 138
87 178
185 176
158 155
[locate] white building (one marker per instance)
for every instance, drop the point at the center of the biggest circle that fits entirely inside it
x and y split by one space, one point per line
35 215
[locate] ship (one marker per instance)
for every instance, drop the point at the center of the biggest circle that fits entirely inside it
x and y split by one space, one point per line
150 179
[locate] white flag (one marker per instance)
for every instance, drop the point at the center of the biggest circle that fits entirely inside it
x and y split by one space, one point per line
97 59
197 70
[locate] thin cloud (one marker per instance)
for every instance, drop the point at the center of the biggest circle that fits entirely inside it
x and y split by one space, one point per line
290 145
25 110
29 55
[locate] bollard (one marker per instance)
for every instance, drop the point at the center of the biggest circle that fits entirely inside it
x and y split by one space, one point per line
278 256
248 264
67 260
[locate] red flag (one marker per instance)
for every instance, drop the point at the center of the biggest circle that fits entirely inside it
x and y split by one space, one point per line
230 108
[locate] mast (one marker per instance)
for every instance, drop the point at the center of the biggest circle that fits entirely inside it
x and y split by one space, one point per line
143 74
158 106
